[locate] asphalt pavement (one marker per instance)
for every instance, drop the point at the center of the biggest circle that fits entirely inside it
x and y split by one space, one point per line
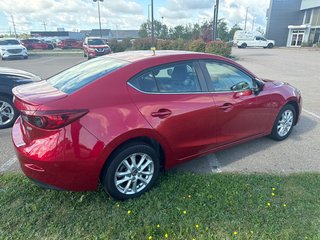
299 153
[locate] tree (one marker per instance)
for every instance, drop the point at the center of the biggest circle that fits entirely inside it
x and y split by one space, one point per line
223 32
160 30
233 30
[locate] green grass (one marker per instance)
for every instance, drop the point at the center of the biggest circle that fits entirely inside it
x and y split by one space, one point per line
183 206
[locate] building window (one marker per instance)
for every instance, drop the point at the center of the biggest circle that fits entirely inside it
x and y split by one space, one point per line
307 16
316 17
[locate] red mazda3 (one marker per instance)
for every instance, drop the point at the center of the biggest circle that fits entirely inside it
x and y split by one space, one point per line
119 118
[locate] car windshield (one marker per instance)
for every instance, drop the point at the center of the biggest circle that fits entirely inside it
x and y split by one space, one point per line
84 73
9 42
96 42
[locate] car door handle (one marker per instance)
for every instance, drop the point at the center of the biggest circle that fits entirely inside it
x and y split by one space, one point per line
162 113
226 106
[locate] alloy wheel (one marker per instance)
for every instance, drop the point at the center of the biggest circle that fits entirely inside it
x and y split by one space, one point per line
285 123
6 113
134 173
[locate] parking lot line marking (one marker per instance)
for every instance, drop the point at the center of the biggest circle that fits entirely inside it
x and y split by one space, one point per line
214 163
311 113
4 167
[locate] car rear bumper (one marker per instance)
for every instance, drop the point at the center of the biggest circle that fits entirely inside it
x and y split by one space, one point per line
57 161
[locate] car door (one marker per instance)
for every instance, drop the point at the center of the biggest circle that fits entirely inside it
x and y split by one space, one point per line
171 99
241 113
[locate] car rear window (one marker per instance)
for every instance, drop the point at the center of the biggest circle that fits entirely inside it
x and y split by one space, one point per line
84 73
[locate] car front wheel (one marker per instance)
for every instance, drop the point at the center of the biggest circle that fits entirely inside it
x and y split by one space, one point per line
133 170
8 114
284 123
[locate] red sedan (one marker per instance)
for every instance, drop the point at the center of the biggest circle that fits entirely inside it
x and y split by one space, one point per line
119 118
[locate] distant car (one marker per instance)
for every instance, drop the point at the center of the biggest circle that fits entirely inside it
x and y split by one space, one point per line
69 44
94 47
12 48
118 118
243 39
10 78
33 43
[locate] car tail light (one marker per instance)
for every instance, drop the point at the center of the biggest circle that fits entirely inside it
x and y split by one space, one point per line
52 119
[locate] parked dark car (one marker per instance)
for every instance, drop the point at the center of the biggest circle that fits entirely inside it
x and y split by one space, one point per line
33 43
10 78
120 117
69 44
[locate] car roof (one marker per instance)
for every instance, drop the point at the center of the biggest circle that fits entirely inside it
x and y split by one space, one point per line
147 58
134 56
16 72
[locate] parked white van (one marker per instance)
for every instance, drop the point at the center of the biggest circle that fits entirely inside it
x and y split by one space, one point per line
243 39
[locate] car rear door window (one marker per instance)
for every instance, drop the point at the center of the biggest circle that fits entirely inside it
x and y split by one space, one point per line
170 78
223 77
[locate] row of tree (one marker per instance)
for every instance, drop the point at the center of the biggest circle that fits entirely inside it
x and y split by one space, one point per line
188 32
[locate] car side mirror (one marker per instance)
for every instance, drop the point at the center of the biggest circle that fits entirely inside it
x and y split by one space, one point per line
244 93
169 71
259 85
240 86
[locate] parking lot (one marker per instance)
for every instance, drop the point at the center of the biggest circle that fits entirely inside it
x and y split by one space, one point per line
299 153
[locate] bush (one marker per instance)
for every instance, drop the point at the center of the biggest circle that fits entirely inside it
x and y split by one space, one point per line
219 48
120 46
197 46
142 44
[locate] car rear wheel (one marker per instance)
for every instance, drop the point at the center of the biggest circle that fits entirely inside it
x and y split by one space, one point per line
284 123
132 171
8 114
243 45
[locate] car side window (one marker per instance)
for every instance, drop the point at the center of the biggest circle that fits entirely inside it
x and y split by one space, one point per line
225 78
171 78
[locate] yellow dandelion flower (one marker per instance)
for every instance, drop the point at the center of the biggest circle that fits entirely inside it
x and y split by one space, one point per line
129 212
197 226
284 205
184 212
235 233
272 194
118 205
189 196
166 235
273 189
158 226
150 237
268 204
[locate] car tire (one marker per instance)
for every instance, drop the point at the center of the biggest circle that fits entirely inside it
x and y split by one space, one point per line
270 45
8 113
132 170
84 54
243 45
284 123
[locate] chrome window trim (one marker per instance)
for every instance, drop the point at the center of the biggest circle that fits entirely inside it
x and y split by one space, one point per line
166 93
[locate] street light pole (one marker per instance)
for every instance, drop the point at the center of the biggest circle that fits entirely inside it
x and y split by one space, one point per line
99 15
152 26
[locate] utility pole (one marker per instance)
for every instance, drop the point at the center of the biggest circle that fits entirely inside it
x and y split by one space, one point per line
245 22
152 26
99 15
14 26
45 26
149 5
215 21
252 23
